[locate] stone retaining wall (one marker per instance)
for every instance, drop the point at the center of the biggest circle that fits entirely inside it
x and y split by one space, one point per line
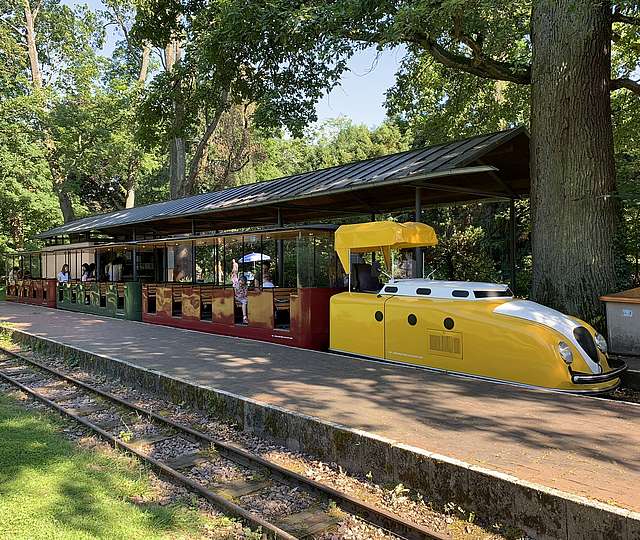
542 512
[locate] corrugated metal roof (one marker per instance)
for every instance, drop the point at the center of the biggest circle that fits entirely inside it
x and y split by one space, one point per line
366 174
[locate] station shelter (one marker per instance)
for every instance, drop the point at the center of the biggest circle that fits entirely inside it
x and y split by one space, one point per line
176 262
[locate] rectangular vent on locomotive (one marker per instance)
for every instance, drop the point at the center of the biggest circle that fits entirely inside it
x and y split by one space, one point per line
445 343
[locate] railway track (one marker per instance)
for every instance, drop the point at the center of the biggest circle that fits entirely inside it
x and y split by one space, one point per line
106 414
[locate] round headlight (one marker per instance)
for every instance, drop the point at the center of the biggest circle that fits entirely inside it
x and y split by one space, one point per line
601 343
565 352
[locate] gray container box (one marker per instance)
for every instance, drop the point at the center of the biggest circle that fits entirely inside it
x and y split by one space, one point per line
623 322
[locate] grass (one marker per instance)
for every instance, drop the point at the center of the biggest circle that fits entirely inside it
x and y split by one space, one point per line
50 488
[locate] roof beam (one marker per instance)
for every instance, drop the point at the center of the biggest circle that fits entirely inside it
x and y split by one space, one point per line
458 189
334 210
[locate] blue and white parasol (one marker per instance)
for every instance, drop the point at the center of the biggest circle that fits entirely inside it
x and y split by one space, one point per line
254 257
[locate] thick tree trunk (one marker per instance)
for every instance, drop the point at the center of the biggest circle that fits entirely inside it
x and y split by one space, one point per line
144 62
177 168
65 204
573 210
177 148
130 185
29 19
196 161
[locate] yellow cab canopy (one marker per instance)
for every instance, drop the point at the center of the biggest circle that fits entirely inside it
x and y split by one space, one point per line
381 236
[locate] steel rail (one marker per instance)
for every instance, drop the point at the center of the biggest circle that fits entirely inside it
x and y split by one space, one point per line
219 501
377 516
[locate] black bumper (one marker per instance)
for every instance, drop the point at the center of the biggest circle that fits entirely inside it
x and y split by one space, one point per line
618 368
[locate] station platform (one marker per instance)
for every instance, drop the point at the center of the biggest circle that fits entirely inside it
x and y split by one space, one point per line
579 445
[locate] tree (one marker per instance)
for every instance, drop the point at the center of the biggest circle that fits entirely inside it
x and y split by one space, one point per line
574 209
27 201
130 67
334 142
216 72
59 44
81 106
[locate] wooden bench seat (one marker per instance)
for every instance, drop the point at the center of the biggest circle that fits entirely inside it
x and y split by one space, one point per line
282 298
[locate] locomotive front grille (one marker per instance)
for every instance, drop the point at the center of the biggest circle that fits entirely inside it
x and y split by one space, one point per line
585 339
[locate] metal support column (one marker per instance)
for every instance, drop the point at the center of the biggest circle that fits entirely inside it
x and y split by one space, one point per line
512 242
134 257
280 253
193 252
193 262
418 267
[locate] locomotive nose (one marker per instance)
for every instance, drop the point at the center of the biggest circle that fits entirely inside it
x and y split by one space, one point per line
586 341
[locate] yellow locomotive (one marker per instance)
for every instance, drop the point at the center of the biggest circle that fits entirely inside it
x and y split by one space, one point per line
475 329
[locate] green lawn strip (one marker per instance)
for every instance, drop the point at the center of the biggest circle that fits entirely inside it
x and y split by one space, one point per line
51 488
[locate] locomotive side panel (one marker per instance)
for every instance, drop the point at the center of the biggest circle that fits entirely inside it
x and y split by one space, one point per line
357 324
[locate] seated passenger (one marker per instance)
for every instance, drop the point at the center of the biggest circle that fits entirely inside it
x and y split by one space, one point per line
12 278
363 278
63 275
116 269
91 271
85 272
406 265
267 278
241 289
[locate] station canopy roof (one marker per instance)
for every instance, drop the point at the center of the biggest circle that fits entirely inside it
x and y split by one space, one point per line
493 166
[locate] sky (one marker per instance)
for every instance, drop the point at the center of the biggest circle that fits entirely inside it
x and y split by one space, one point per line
361 93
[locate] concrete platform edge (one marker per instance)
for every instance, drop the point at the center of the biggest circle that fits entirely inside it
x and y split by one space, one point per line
542 512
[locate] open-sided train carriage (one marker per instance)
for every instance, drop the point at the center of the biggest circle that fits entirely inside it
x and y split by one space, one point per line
28 281
192 284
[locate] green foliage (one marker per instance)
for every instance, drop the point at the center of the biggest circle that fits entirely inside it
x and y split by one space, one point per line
27 204
473 244
254 53
75 135
440 104
334 142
